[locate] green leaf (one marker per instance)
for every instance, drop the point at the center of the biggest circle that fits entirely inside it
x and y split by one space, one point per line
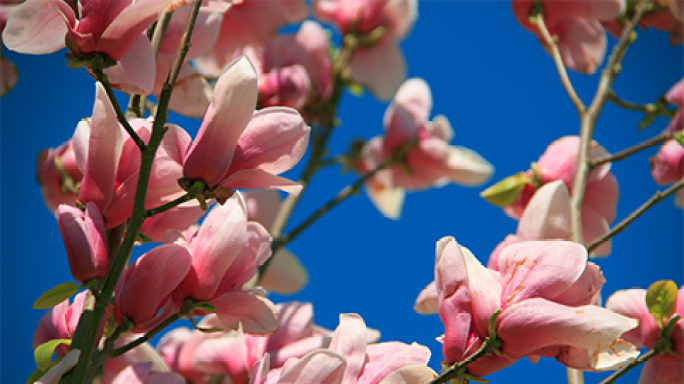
43 353
661 300
56 295
679 138
507 190
648 120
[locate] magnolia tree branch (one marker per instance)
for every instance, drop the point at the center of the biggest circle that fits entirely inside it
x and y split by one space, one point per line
664 136
656 198
555 53
345 193
320 139
85 337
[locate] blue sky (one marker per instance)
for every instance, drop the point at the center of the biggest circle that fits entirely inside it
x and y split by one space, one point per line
501 93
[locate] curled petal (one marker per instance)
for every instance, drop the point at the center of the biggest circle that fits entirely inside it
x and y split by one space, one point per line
38 26
381 68
427 301
349 340
318 367
285 273
547 215
467 167
257 178
257 314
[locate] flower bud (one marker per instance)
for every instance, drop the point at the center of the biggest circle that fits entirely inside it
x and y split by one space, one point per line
506 191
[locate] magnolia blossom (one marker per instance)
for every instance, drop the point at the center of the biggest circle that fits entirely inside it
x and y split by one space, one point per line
350 359
663 368
89 26
58 176
142 373
664 15
544 291
109 160
380 25
239 148
238 29
430 162
85 241
225 254
59 323
295 70
577 25
559 162
676 96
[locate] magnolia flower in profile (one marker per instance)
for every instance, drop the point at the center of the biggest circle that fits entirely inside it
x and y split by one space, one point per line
544 290
577 27
91 26
662 368
559 162
58 176
85 241
350 359
676 96
380 25
430 162
237 147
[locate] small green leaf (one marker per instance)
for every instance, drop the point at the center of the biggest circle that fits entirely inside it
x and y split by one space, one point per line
56 295
661 300
43 353
648 120
679 138
507 190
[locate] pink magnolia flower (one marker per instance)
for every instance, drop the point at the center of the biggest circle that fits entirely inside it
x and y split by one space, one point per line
225 255
110 161
544 291
143 353
85 241
379 65
285 273
577 25
58 176
237 29
668 167
295 70
559 162
89 26
431 162
239 148
350 359
663 368
59 323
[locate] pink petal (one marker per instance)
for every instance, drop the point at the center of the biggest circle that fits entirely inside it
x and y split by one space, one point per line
128 26
228 355
318 367
427 301
414 96
467 167
85 241
536 323
150 280
539 269
582 44
257 178
594 225
585 289
227 116
218 243
135 70
547 215
632 303
8 75
285 274
385 358
38 26
381 67
296 320
104 150
274 141
257 314
411 374
661 370
602 195
349 340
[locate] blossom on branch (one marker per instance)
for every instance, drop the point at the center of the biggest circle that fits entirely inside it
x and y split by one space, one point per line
237 147
545 292
113 28
430 162
577 26
664 368
378 25
85 241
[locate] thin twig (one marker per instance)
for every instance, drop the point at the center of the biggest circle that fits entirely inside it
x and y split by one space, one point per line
558 60
656 198
345 193
171 204
648 108
102 78
147 336
664 136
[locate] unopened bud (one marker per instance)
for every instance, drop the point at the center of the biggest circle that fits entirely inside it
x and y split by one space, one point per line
507 190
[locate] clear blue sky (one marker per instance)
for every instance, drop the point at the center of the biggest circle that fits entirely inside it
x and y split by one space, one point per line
501 93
